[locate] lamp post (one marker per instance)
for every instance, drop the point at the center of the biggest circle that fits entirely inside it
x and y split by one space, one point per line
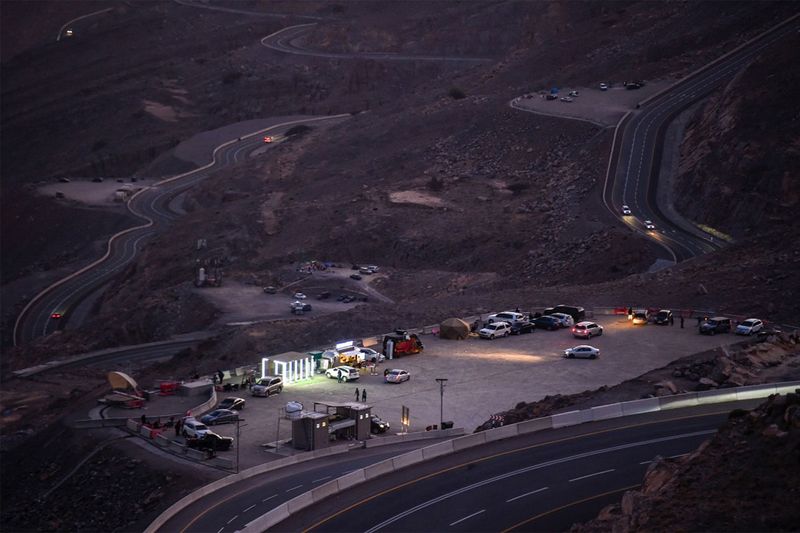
441 382
237 442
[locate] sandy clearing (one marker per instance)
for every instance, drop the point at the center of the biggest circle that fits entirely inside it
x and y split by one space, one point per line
417 198
91 193
160 111
603 108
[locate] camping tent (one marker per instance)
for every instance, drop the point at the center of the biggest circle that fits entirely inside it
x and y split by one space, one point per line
453 328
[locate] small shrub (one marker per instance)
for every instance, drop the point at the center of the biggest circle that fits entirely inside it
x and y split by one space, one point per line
231 77
456 93
435 184
519 187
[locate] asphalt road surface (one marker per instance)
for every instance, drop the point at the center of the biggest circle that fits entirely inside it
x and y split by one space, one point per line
152 207
229 509
635 166
541 482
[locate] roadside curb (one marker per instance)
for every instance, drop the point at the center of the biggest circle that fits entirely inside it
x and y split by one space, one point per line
571 418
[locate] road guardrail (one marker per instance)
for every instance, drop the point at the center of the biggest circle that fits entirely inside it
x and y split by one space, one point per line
570 418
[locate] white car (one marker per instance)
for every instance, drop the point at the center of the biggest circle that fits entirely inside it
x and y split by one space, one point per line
566 320
369 354
573 93
193 429
626 210
603 86
299 296
649 225
582 350
396 376
348 373
507 316
495 329
566 99
751 326
587 330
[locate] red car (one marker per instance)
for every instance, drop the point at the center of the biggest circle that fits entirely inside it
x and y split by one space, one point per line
56 315
267 139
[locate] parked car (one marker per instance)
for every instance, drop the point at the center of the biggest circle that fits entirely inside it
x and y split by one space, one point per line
576 312
751 326
324 295
587 330
237 404
348 373
573 93
506 316
547 322
640 318
365 270
626 210
718 324
270 290
211 441
268 139
355 277
297 305
583 351
663 317
267 385
566 99
219 416
518 328
376 425
372 356
603 86
193 429
396 376
495 329
299 296
566 320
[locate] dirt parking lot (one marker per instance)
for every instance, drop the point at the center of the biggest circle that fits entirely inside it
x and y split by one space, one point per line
484 377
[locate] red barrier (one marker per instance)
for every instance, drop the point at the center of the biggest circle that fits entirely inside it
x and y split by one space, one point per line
168 388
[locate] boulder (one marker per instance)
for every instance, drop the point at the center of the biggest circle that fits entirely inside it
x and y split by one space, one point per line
706 384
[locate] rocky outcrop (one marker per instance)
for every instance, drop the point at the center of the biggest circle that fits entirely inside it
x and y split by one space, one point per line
746 478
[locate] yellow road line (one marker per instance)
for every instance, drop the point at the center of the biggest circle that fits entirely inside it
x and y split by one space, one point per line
562 507
499 454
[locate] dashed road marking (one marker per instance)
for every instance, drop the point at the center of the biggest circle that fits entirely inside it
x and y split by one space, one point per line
592 475
526 494
468 516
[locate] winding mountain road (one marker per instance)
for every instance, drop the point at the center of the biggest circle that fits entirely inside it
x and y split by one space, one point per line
541 482
150 205
633 173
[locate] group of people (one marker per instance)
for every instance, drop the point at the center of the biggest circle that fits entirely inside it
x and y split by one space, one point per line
363 394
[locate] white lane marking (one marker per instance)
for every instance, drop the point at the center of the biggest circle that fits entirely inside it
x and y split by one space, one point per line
531 468
592 475
468 516
526 494
294 488
234 518
679 455
249 508
321 479
645 462
266 499
220 529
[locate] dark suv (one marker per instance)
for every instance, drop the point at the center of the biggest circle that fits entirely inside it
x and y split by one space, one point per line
577 313
547 322
715 325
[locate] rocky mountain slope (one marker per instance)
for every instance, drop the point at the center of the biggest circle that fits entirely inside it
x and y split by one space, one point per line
745 478
469 205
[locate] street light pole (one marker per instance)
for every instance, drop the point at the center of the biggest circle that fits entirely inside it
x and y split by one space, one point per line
441 382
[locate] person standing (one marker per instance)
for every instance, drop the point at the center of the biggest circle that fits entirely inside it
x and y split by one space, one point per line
681 321
144 420
364 395
671 320
178 427
356 393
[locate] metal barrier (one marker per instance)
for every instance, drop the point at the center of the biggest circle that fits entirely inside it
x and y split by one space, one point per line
571 418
